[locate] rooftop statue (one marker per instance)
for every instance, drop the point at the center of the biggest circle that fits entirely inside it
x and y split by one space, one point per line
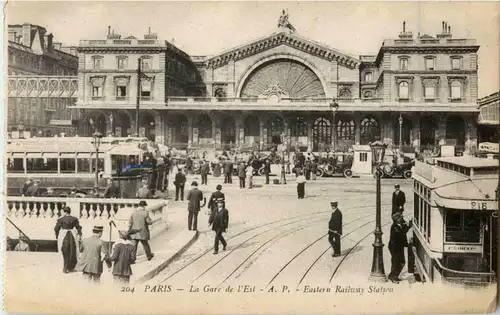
284 23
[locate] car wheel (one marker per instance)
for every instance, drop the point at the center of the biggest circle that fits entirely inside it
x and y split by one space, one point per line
407 174
261 171
320 173
348 173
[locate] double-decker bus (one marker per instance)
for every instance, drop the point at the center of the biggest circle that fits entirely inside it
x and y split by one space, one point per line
455 220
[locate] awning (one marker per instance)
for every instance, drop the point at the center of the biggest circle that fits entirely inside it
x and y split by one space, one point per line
489 114
125 150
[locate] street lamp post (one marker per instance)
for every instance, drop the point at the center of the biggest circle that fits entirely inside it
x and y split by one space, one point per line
138 99
97 143
334 106
400 133
378 273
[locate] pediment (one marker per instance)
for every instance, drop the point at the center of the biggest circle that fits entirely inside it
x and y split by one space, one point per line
283 38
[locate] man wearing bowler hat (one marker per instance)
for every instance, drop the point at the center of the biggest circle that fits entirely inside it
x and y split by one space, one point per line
335 229
194 197
90 261
398 200
219 219
139 228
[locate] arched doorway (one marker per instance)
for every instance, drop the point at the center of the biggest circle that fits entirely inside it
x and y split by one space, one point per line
406 128
322 134
370 130
252 131
228 134
275 127
147 126
123 125
455 130
204 129
180 132
427 131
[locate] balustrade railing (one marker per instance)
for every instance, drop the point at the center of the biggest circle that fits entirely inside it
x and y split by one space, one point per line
84 208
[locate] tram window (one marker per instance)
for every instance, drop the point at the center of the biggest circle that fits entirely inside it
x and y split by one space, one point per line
41 165
67 165
428 209
83 165
100 165
15 165
416 217
463 226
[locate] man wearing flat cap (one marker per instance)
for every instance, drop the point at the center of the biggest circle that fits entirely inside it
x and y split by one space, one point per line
194 197
219 219
90 261
335 229
398 200
397 243
139 228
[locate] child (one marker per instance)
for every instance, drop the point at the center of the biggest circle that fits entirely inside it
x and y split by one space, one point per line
123 256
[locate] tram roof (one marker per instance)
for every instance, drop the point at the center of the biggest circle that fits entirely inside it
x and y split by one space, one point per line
469 189
470 161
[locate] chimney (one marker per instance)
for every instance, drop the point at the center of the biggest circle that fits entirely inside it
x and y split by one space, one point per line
150 35
404 34
113 35
445 31
109 30
49 41
26 35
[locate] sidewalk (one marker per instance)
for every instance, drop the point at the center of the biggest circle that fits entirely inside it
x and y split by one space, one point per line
40 268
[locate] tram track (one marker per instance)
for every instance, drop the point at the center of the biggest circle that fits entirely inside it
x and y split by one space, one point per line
325 251
296 219
277 238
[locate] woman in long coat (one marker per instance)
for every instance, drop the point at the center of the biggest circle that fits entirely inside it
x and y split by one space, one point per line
68 232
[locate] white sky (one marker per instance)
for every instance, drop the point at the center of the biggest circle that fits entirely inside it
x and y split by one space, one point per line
206 28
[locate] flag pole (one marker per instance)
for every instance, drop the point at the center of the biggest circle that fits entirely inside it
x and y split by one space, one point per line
138 100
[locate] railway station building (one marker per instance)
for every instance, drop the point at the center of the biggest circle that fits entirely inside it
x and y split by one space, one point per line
418 90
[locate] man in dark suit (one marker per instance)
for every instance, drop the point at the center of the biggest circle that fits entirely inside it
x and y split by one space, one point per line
25 187
139 228
219 219
397 243
179 182
228 172
242 174
335 229
194 197
216 195
267 170
90 261
204 170
398 200
112 191
34 189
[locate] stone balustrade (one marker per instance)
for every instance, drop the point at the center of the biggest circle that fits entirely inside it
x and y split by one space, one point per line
36 216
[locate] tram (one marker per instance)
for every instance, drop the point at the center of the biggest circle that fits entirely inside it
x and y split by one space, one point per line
455 220
69 161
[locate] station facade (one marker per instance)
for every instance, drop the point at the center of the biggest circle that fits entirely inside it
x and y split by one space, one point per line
417 91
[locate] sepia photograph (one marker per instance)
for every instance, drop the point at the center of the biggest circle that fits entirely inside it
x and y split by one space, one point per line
251 157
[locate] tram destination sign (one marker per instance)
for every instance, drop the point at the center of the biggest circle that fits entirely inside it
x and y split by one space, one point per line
461 248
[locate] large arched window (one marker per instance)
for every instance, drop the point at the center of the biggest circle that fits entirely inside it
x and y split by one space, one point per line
456 90
298 127
370 130
404 90
345 130
204 127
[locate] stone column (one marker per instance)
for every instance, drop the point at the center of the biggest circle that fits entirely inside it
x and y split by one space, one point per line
191 131
159 129
441 128
240 130
471 127
310 133
168 131
357 128
263 134
333 130
415 132
110 122
216 131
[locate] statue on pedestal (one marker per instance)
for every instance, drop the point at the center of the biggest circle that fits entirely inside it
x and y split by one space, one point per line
284 23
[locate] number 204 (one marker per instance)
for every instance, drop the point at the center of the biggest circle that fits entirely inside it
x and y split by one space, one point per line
479 205
128 289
